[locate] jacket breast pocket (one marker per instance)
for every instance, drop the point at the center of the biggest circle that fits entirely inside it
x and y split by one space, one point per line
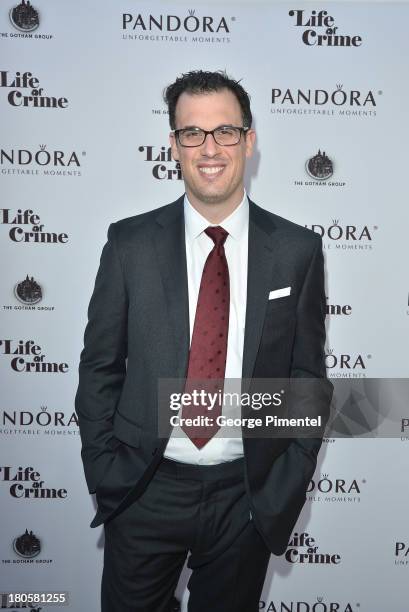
279 323
287 301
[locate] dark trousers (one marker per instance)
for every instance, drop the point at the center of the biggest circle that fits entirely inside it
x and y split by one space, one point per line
203 510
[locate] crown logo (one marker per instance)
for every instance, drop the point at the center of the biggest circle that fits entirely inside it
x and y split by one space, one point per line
191 12
320 599
42 147
330 351
335 221
325 475
339 86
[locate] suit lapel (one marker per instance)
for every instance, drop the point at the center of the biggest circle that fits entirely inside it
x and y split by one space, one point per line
263 271
171 256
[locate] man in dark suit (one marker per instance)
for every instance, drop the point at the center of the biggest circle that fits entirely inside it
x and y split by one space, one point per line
210 286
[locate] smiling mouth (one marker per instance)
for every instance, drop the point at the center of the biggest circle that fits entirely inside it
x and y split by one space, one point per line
211 170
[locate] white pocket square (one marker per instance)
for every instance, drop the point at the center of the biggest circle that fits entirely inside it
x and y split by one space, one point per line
277 293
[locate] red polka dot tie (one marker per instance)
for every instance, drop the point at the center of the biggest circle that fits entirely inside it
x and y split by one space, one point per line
208 349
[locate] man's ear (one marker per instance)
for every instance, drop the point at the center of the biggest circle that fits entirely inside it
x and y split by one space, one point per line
173 146
250 141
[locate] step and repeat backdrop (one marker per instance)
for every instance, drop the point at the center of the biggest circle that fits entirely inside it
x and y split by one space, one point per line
84 142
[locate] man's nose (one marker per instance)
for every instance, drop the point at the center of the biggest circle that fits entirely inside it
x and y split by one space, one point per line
210 146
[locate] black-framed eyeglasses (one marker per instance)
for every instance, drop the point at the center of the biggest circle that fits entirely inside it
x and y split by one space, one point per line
224 135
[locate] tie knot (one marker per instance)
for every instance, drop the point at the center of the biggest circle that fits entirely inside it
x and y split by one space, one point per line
217 234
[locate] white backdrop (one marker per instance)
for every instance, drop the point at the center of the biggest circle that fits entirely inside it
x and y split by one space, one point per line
102 154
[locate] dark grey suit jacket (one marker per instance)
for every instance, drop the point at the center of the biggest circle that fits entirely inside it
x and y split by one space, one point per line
138 332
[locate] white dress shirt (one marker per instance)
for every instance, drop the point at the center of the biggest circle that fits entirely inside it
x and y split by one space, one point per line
198 247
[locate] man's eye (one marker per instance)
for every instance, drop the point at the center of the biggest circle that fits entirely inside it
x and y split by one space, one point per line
191 134
225 131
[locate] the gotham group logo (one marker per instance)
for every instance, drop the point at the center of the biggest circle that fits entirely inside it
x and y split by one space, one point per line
163 166
319 30
28 294
303 549
28 291
190 28
26 483
27 545
41 422
320 605
27 548
36 161
335 490
25 19
18 231
17 97
337 309
401 553
341 237
27 356
320 169
337 102
346 365
320 166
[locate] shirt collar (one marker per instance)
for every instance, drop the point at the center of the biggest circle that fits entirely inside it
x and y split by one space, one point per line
235 224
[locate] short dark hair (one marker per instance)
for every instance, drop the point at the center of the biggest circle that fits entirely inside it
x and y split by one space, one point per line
201 81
